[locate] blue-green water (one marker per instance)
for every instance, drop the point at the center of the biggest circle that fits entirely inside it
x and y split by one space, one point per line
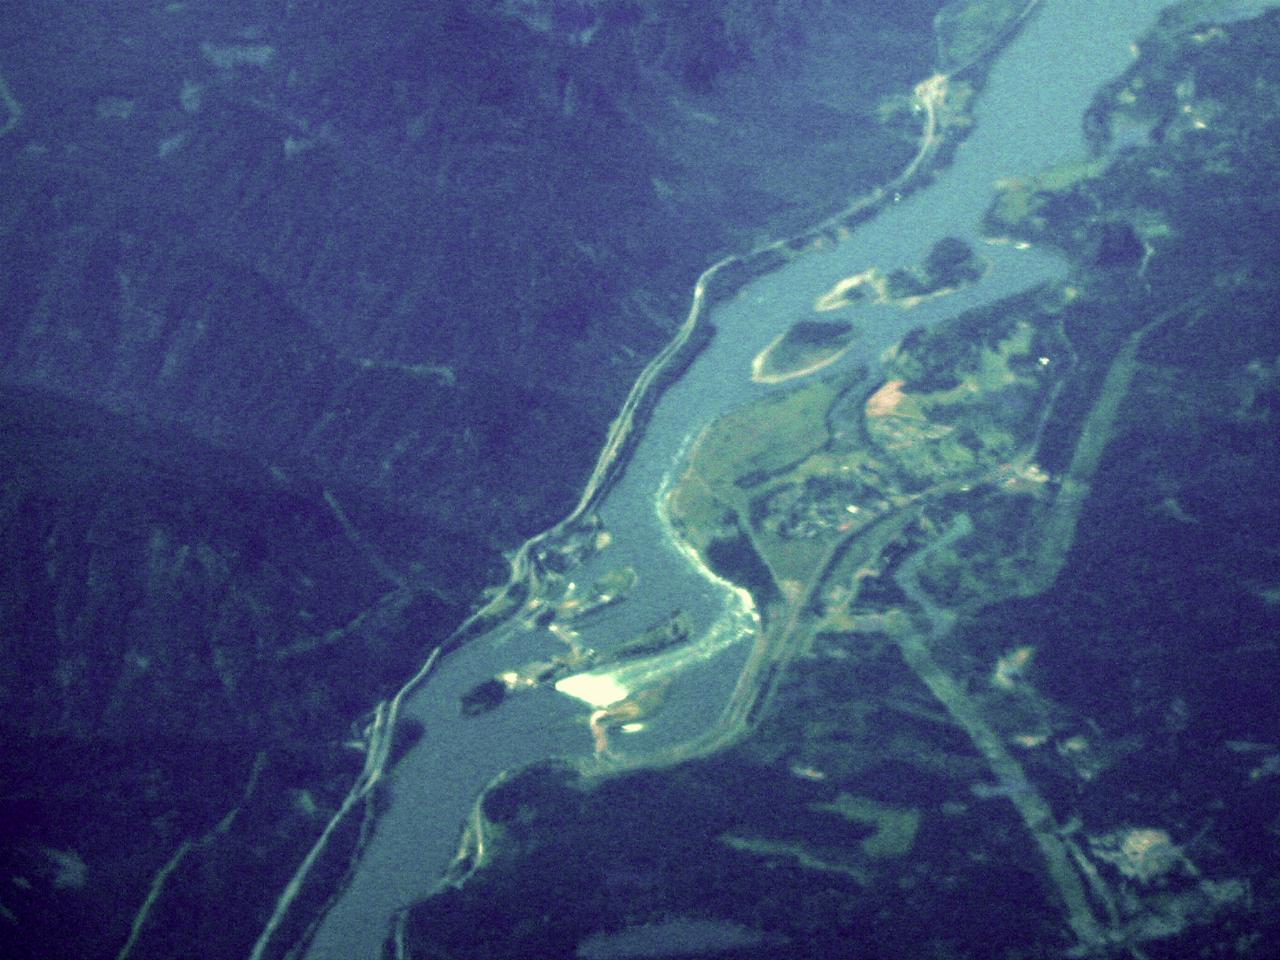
1027 119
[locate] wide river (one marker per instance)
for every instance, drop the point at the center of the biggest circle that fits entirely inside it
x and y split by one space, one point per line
1028 118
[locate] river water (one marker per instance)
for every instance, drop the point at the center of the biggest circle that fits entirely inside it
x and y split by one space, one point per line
1028 118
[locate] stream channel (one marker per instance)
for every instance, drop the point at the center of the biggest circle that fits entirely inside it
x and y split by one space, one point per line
1027 118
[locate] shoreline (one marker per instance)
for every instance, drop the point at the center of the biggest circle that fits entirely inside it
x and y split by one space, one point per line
762 359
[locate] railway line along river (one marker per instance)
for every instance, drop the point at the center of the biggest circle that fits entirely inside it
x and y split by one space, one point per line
609 614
